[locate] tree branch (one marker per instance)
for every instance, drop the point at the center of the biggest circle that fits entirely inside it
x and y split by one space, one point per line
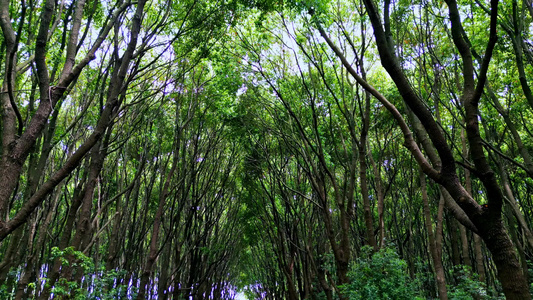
409 143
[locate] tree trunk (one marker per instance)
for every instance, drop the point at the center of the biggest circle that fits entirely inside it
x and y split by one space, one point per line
435 253
32 264
504 256
162 285
480 267
153 250
465 246
371 240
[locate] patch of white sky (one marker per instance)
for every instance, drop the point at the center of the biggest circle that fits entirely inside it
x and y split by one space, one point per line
160 42
93 33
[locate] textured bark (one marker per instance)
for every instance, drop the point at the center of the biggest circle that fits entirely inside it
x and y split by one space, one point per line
9 131
504 256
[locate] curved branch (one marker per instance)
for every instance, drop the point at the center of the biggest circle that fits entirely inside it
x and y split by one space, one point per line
409 143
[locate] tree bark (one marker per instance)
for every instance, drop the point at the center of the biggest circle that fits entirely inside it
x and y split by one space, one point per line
504 256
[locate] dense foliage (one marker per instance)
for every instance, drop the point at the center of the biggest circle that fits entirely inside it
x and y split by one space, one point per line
275 149
382 275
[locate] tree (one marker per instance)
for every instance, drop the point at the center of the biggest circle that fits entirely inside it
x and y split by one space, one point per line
488 222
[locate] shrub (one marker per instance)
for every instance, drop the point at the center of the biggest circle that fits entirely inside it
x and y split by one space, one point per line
382 275
468 285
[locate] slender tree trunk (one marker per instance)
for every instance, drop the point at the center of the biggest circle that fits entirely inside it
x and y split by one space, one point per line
154 243
366 197
455 241
32 265
478 254
291 288
369 222
83 228
513 205
16 149
380 195
435 253
465 246
158 219
10 255
480 267
162 286
115 236
516 41
53 273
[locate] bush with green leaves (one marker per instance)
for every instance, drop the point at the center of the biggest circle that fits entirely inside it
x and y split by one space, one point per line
468 285
100 283
382 275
